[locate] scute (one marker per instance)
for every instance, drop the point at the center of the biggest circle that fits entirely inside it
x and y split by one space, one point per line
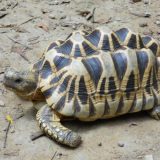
100 74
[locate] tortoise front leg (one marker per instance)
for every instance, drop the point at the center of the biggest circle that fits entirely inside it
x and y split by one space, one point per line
50 123
155 113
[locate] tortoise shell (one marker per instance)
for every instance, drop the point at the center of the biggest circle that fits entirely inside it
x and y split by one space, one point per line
101 74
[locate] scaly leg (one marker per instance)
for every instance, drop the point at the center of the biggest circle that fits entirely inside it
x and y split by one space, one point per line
155 112
50 123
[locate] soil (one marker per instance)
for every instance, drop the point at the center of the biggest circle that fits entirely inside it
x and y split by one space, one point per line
26 28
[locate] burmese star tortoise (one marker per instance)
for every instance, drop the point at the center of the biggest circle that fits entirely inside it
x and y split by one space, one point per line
90 76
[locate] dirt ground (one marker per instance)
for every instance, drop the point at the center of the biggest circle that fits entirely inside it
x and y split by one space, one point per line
26 28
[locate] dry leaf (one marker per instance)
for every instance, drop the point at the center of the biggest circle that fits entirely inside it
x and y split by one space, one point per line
43 26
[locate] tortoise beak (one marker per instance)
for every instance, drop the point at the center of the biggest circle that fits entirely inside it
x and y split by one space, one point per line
10 76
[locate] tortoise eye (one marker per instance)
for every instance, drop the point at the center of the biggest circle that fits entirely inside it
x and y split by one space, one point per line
18 80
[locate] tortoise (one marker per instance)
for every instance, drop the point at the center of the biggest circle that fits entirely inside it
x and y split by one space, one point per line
90 76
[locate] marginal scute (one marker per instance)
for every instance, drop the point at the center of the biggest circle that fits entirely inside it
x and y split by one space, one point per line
141 44
120 106
146 39
106 107
115 41
122 33
132 43
106 43
152 44
91 108
154 48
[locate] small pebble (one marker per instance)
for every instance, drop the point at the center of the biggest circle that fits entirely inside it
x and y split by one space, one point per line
134 1
100 144
148 157
59 155
52 16
133 124
12 131
147 15
143 24
2 104
44 10
120 144
158 22
146 1
2 9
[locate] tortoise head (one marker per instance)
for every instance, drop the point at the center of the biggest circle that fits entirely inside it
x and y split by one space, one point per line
23 83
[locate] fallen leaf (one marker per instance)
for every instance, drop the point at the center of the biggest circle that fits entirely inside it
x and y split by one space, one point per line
9 119
43 26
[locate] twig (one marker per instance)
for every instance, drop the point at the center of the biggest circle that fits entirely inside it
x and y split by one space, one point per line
18 42
3 14
36 135
24 57
91 14
2 72
27 21
101 21
5 140
140 14
15 25
26 46
54 155
15 5
7 25
93 11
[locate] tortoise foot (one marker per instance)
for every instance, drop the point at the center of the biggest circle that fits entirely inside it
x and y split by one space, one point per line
50 123
155 113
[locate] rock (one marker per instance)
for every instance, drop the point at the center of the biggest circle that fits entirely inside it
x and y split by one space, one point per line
120 144
143 24
52 16
13 152
44 10
158 23
135 1
100 144
147 15
53 2
2 9
133 124
148 157
3 13
146 1
2 104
